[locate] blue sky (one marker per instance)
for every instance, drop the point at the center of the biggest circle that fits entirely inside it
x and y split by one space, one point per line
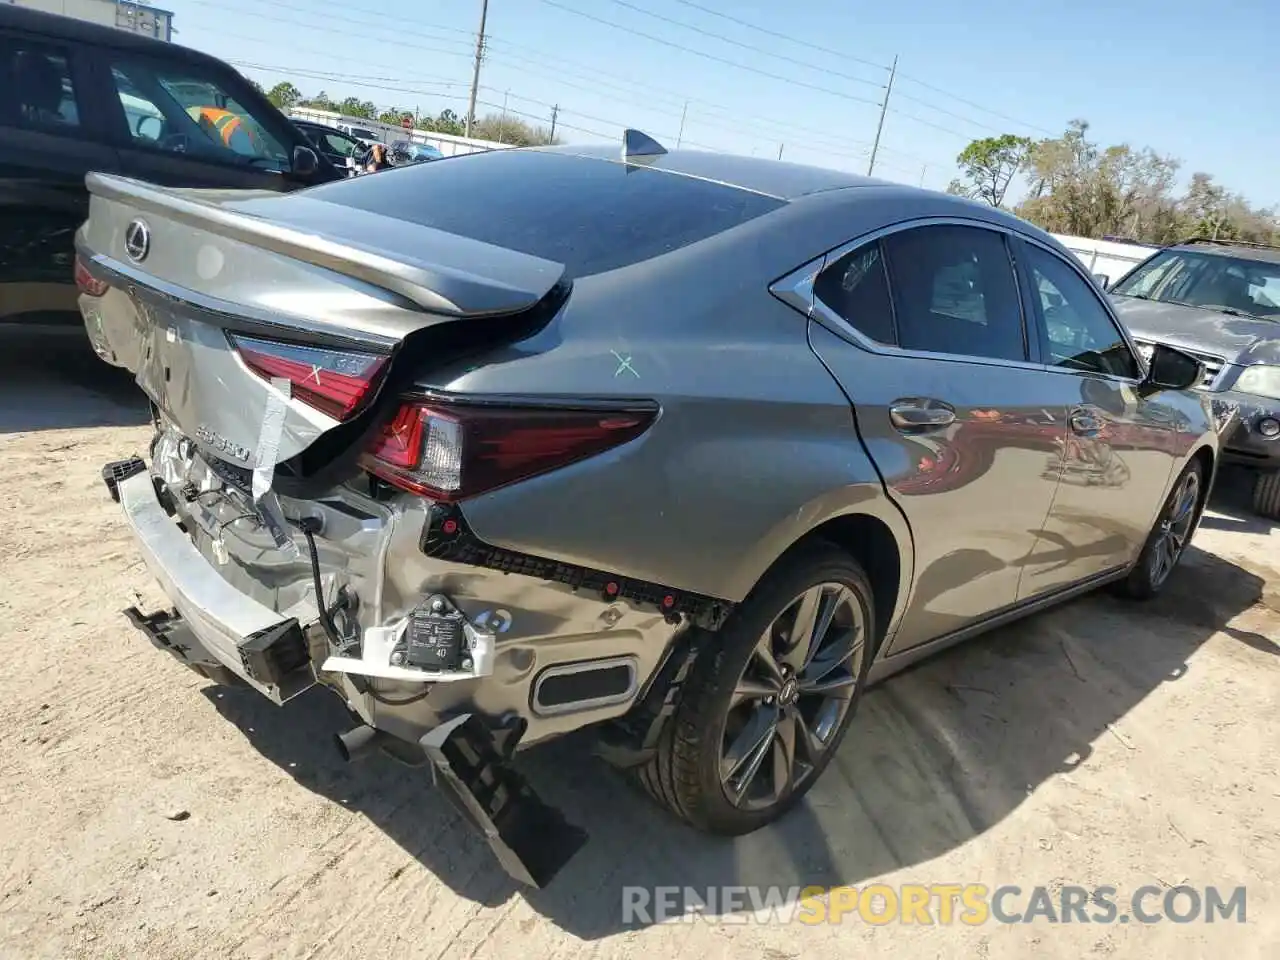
1196 81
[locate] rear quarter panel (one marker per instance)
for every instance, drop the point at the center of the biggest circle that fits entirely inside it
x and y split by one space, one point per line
755 444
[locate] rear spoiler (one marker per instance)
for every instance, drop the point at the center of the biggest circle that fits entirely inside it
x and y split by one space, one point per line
438 271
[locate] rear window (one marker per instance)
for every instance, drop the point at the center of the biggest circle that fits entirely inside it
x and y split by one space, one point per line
590 215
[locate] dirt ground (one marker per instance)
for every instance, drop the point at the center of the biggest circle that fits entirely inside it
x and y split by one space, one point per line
1103 743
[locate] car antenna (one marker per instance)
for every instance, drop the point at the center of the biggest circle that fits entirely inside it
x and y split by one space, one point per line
636 144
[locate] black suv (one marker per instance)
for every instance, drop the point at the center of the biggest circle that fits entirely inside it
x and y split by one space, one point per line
76 97
1220 300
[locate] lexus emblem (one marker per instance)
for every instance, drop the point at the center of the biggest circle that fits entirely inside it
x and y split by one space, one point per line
137 240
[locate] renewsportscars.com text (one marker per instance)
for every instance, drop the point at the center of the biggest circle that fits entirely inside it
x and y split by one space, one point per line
937 903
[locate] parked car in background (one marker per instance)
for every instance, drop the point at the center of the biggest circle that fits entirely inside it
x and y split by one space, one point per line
404 152
76 97
342 150
686 448
1220 300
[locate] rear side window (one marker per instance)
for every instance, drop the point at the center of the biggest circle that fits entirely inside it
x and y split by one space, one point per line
36 92
590 215
856 288
954 292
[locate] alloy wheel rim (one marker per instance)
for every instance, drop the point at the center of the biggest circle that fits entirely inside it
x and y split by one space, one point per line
792 696
1175 529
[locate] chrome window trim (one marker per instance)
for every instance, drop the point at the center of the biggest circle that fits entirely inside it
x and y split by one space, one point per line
797 290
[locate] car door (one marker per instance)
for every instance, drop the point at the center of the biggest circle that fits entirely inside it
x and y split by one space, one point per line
1121 447
923 327
186 123
50 137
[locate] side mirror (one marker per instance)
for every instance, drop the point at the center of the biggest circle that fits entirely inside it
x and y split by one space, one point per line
1171 369
305 161
149 127
1103 280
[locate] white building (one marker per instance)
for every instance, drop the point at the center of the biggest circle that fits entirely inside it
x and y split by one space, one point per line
132 15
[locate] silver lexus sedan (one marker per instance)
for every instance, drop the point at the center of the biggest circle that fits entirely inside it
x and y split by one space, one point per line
683 447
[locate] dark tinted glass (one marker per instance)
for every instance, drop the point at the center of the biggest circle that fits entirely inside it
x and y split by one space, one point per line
590 215
35 87
954 292
1078 332
855 286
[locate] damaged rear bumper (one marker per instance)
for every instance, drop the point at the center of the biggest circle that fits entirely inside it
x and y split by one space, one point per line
226 635
216 625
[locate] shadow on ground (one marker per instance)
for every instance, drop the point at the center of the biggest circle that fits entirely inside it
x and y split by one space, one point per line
936 757
50 379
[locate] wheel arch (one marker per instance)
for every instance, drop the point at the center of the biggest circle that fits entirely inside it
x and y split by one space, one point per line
876 535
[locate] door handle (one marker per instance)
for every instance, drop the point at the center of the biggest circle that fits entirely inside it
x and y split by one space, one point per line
920 414
1082 421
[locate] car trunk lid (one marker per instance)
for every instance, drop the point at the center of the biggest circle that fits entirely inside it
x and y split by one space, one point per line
260 328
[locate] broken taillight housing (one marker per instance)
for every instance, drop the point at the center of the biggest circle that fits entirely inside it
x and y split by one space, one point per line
452 451
86 282
335 382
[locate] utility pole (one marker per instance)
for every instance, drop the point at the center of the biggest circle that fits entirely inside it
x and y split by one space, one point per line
475 74
884 108
923 168
683 114
555 112
780 146
502 124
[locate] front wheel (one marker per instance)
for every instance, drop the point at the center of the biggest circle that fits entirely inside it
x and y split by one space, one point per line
769 696
1169 537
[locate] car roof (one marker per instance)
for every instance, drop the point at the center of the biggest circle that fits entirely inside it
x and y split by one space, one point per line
775 178
1225 248
93 34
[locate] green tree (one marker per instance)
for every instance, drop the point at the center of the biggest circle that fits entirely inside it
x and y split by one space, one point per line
321 101
355 107
988 166
504 128
446 122
393 115
284 95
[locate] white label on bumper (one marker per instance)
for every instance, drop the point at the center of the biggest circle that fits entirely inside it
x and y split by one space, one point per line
377 643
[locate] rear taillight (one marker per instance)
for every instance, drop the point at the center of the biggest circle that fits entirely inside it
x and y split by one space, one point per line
86 282
336 382
449 452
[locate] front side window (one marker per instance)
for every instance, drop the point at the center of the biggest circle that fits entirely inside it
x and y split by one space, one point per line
1212 281
1077 331
36 92
180 109
954 292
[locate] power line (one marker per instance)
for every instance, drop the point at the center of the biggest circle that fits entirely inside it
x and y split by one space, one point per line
709 56
814 136
810 45
781 36
975 106
725 120
745 46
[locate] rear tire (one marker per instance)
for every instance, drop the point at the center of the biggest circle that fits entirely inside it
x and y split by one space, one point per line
1169 537
1266 494
761 715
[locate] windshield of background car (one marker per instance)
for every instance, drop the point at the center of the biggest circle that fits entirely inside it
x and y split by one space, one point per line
590 215
1209 280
